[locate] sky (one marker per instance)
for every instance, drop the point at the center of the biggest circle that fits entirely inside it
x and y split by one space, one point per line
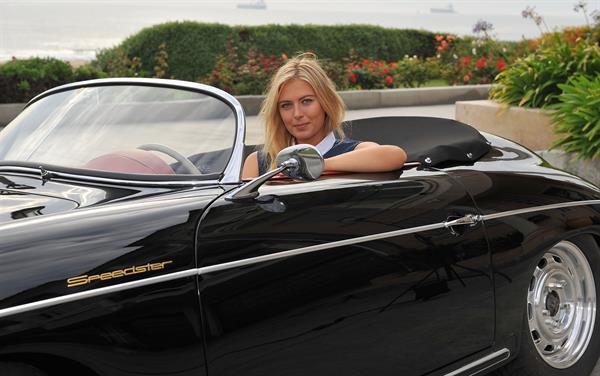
76 29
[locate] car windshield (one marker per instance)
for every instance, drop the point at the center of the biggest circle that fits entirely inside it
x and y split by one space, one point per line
131 129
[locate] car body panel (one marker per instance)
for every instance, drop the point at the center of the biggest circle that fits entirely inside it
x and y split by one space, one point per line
373 307
129 331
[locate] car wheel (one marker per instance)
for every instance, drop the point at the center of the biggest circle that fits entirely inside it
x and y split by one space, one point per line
19 369
561 331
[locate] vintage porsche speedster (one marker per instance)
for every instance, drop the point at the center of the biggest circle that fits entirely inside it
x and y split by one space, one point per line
129 245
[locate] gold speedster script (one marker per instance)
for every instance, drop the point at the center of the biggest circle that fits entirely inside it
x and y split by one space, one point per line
85 279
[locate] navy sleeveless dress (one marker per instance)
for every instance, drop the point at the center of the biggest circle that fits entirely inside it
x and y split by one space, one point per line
340 146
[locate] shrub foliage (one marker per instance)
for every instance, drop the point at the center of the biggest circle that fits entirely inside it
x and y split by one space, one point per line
577 116
194 48
534 81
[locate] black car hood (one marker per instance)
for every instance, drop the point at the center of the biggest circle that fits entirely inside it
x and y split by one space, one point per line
23 196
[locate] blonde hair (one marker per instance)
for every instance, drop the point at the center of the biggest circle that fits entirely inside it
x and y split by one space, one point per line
302 67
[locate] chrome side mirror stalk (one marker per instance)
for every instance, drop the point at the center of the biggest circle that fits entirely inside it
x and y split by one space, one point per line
301 162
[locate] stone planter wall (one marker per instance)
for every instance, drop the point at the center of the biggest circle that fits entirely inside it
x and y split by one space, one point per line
528 127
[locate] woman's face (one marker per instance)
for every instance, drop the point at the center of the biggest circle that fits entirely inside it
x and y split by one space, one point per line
301 112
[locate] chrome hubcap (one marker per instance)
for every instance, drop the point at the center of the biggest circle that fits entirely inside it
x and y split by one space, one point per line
561 305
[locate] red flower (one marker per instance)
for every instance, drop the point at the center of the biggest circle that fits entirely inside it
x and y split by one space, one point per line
440 48
365 62
500 65
385 71
466 60
444 44
439 38
466 78
352 77
393 65
389 80
480 63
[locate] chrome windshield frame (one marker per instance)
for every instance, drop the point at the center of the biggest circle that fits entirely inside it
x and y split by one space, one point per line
232 172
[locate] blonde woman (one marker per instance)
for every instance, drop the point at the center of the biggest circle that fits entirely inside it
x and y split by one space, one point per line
302 107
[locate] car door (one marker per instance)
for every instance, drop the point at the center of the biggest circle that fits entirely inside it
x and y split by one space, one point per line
351 274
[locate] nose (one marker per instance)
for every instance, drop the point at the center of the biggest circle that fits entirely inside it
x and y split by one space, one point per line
297 111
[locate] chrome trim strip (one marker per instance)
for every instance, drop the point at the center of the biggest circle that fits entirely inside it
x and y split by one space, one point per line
509 213
500 354
204 270
233 171
95 292
98 179
315 248
275 256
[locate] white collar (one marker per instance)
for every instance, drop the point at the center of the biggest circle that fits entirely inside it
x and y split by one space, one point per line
326 144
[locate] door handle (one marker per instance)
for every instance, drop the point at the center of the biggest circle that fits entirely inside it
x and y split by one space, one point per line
469 219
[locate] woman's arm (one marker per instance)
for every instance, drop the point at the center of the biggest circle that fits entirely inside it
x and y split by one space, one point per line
368 157
250 169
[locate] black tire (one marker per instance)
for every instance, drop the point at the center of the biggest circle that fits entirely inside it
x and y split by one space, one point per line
19 369
529 361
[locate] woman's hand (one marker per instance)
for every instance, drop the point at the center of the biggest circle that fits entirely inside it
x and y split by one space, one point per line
368 157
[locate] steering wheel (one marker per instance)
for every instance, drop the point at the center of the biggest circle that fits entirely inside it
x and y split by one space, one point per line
185 163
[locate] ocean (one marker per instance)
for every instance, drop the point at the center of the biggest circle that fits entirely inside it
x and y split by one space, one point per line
76 29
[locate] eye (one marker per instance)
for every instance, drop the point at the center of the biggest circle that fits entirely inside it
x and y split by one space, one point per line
285 105
307 101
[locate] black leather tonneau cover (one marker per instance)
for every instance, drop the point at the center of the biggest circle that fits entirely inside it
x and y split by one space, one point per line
429 140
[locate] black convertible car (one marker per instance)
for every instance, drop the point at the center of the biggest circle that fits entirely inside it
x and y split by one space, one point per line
129 247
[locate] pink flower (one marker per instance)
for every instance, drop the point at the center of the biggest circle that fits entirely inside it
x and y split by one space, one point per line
439 38
466 78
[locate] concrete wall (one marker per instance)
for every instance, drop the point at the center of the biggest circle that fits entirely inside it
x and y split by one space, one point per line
363 99
9 111
528 127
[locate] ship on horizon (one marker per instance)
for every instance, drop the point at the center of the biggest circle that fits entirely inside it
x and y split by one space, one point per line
449 8
258 4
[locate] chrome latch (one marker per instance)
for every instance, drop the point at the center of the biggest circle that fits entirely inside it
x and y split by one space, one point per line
469 219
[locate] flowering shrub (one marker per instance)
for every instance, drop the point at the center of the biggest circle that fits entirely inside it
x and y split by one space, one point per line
371 74
536 81
249 77
414 72
477 65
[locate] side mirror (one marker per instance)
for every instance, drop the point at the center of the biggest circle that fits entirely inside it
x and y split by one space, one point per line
302 162
309 164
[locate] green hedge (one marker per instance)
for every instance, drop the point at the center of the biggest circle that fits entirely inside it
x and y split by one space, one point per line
193 47
22 79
